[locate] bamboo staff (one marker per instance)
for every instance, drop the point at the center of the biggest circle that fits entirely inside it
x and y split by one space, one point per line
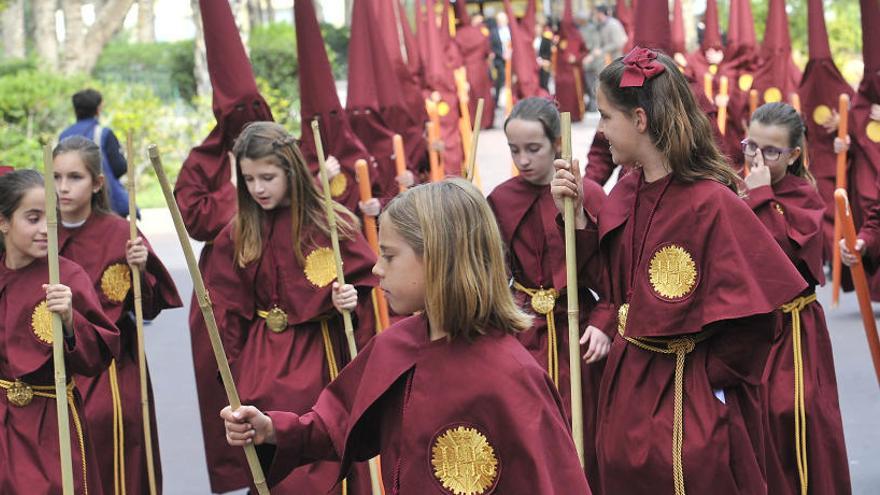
571 294
399 158
859 279
208 313
471 171
340 275
722 109
61 403
836 267
139 316
370 232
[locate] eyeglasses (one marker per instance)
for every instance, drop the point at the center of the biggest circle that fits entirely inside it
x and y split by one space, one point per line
771 153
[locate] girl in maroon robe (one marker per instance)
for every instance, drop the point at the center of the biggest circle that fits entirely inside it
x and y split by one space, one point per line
29 443
449 398
678 407
536 256
804 444
98 240
271 284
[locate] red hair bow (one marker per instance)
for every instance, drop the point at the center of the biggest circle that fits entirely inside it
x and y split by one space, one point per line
640 64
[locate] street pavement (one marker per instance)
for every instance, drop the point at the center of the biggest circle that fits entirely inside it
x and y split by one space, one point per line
168 350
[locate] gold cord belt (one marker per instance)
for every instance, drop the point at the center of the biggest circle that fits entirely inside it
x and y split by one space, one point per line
681 347
118 432
20 394
544 302
800 412
334 370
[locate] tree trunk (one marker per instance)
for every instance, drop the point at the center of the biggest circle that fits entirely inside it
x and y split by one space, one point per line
146 25
203 80
45 37
269 11
108 21
13 30
74 30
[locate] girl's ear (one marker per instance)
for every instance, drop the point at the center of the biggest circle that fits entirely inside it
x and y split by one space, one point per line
795 154
641 119
4 225
99 184
557 146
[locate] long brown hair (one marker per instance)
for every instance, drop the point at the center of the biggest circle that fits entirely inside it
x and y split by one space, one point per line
268 140
676 124
90 154
450 226
13 187
785 116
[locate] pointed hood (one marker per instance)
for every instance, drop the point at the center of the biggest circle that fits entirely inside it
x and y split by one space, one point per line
525 65
569 74
816 31
733 20
866 132
746 28
678 37
461 12
530 17
362 60
712 34
437 76
651 27
777 39
777 77
624 14
871 34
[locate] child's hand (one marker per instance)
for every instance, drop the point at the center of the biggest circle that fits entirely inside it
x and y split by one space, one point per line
721 100
247 425
848 258
370 208
136 254
333 166
345 298
439 146
599 344
841 145
832 122
759 174
59 299
567 183
406 179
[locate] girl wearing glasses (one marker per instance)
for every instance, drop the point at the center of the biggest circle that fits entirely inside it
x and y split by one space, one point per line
799 382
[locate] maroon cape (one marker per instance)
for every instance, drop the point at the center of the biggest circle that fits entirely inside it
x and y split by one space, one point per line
569 71
288 370
29 435
524 64
99 247
417 402
696 273
473 43
792 210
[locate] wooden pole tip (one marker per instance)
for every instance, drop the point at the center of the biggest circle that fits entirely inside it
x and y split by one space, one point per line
153 150
315 125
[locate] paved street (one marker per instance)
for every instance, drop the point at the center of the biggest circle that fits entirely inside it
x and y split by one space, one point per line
168 349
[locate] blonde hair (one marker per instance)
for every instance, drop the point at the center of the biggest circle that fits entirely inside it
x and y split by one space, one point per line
268 140
450 226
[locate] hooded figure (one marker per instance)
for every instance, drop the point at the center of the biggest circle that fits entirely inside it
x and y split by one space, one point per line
777 77
472 39
206 197
525 65
819 91
569 72
678 36
707 57
319 100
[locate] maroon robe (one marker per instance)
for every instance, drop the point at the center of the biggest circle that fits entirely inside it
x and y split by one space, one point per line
777 77
29 434
288 370
404 393
473 43
792 211
524 64
570 74
735 286
536 258
99 247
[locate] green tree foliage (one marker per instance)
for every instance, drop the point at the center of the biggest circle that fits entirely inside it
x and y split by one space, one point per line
166 67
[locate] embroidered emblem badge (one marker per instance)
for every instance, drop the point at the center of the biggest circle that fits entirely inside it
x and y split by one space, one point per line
320 267
20 394
544 300
673 273
41 322
464 462
622 313
821 114
745 82
772 95
116 282
873 131
338 185
276 320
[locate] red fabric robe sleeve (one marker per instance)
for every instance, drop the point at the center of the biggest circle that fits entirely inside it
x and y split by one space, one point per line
205 195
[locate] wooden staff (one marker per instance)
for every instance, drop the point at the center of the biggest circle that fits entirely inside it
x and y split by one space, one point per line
722 109
399 158
470 170
859 279
61 403
370 231
836 266
340 275
438 169
208 314
508 85
707 86
753 101
139 315
571 294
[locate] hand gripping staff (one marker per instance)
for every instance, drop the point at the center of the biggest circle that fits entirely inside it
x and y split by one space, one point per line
571 295
859 279
836 268
139 315
208 313
57 332
340 275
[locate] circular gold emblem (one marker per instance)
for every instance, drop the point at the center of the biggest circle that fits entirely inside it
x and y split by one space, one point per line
338 185
672 272
276 320
41 322
745 82
622 313
873 131
464 462
821 114
772 95
320 267
443 109
116 282
544 300
779 208
713 69
562 44
20 394
485 31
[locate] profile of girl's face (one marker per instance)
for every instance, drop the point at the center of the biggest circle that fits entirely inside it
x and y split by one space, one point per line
24 233
531 150
266 182
619 128
400 270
